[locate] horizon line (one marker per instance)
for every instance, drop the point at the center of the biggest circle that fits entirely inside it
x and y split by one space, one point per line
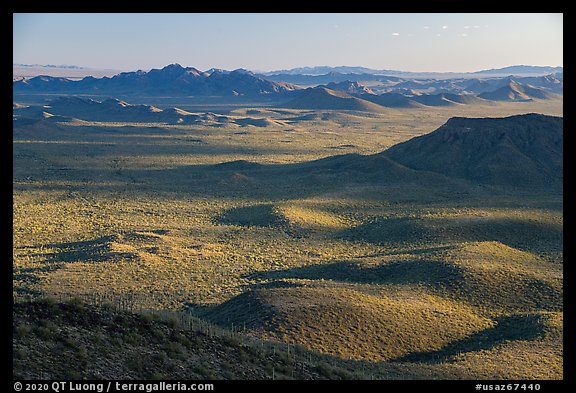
279 70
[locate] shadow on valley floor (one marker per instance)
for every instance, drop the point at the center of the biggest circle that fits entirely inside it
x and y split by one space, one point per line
111 248
95 250
244 179
525 234
261 215
516 327
245 311
150 146
429 272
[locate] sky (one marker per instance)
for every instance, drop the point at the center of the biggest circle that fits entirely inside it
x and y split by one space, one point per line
436 42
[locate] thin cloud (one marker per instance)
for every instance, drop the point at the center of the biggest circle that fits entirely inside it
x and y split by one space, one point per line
396 34
444 27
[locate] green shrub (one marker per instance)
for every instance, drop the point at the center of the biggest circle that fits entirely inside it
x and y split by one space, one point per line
22 330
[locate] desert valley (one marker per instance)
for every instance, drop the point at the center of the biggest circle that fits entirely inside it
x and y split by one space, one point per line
349 224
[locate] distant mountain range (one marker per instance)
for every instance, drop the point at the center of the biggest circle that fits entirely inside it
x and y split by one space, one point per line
473 83
330 77
319 70
364 92
521 70
27 71
175 79
172 79
74 67
354 96
322 70
510 70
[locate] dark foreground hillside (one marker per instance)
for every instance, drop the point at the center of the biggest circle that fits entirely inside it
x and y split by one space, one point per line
100 343
103 343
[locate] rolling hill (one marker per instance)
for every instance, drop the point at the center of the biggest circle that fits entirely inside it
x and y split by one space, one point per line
334 319
114 110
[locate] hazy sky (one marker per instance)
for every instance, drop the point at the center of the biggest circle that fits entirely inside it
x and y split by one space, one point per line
263 42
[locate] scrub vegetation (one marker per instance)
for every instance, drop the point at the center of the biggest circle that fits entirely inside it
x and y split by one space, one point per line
260 252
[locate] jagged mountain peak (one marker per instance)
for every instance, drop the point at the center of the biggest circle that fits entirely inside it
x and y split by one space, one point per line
172 79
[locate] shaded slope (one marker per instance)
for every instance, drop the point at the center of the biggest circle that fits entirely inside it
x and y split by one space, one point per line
522 232
434 100
507 328
352 167
467 99
518 150
392 100
262 215
73 341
